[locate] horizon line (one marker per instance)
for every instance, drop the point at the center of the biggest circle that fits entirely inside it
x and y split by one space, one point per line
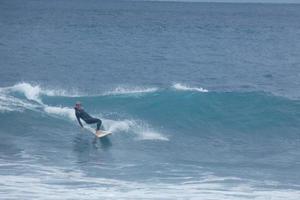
219 2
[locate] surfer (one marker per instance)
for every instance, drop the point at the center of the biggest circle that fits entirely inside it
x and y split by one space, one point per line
81 114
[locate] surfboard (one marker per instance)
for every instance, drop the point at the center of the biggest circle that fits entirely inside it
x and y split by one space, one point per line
99 134
102 133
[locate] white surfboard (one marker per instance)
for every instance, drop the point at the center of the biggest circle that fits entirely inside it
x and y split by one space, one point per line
99 134
102 133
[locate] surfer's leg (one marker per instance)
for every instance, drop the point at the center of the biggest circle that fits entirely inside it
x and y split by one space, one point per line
99 122
93 121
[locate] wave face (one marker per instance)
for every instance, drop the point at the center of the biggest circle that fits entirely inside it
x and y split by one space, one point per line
164 140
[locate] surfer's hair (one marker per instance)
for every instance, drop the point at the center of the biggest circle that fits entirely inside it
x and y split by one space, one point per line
78 104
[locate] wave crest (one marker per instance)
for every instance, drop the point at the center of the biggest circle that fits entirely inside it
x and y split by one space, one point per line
178 86
134 90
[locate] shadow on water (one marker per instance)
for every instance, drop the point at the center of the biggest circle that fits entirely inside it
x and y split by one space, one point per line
88 150
105 143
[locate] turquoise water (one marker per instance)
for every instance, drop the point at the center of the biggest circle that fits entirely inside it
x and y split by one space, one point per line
202 100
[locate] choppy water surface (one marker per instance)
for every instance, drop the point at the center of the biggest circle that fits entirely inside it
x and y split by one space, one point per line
202 100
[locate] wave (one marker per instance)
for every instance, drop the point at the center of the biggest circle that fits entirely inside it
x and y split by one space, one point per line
236 111
182 87
33 101
31 92
35 92
9 103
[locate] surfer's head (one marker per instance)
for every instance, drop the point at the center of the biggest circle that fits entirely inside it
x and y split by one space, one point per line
78 105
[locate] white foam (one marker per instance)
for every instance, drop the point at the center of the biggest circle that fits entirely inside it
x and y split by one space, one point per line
62 93
151 135
182 87
134 90
45 182
61 111
118 125
31 92
34 92
9 103
145 132
139 128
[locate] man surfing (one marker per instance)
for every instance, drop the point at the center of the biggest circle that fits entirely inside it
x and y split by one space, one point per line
81 114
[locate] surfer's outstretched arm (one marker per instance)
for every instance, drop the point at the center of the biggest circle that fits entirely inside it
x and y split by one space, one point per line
78 119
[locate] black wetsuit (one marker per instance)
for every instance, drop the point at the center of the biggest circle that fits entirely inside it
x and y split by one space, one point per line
80 113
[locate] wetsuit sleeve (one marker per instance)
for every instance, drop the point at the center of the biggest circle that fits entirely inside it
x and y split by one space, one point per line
78 119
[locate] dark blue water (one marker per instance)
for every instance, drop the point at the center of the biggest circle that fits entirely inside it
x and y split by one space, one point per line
202 100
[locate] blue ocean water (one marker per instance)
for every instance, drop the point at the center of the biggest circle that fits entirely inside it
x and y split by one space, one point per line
202 100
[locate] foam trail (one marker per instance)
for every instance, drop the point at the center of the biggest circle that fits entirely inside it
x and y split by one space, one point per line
179 86
145 132
139 128
150 135
61 111
114 126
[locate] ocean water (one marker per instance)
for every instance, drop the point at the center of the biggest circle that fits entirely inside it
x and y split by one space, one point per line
203 100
